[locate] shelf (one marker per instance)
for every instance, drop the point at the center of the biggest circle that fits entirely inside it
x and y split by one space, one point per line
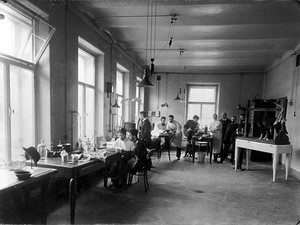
264 109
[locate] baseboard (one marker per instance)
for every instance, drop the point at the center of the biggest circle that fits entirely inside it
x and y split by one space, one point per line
295 173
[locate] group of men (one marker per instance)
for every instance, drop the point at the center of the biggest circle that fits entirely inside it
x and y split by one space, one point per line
134 156
152 137
134 144
230 130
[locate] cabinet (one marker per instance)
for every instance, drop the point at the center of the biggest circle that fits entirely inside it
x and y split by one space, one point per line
261 116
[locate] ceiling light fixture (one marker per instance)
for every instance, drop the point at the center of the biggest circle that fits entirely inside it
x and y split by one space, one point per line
172 29
116 104
145 81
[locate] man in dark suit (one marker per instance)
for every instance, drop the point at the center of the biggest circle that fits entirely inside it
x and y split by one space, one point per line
225 121
243 131
229 139
145 129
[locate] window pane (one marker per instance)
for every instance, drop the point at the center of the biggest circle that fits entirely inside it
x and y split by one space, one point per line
119 112
90 112
119 83
193 109
86 68
80 111
22 104
2 119
202 94
207 111
17 37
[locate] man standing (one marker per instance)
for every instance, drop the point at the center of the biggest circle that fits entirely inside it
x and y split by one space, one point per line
175 134
190 128
225 121
145 129
229 139
243 131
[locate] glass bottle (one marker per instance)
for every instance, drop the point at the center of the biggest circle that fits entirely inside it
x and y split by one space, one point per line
42 150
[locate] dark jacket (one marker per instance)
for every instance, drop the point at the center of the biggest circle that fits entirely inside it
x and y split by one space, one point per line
145 134
224 126
140 152
230 133
241 128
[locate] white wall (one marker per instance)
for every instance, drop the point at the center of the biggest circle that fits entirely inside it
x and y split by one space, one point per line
281 81
234 89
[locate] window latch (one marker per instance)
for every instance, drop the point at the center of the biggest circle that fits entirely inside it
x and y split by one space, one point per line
11 111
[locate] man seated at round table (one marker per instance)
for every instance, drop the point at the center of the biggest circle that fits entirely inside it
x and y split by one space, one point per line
158 139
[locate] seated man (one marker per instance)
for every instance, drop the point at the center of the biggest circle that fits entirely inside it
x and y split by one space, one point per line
140 153
159 128
126 147
190 128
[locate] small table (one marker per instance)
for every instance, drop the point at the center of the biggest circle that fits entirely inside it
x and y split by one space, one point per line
209 141
73 170
39 178
263 146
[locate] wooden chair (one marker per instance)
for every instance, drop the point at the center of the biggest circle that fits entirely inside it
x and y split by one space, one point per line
143 172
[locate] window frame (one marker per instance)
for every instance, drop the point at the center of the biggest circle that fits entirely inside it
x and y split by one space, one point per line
85 86
120 98
201 103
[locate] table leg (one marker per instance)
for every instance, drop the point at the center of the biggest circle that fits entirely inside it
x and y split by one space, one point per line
193 150
236 156
211 150
72 197
44 200
275 162
287 165
248 153
105 177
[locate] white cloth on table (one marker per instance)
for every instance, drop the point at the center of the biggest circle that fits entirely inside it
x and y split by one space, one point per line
215 129
124 145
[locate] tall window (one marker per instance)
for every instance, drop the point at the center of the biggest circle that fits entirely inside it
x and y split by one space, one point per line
86 94
202 101
17 109
119 96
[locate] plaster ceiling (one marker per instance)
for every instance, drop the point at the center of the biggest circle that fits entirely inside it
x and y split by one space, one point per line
215 35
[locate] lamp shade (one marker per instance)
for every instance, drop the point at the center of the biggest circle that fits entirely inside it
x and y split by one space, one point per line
116 104
145 81
177 97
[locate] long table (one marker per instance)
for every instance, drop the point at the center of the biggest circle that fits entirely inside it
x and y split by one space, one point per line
73 170
208 140
255 144
40 177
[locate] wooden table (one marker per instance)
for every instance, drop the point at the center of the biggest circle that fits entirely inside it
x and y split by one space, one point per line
208 140
40 177
263 146
73 170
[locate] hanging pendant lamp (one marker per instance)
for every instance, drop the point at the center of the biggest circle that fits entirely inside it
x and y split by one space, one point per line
177 97
116 104
145 81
